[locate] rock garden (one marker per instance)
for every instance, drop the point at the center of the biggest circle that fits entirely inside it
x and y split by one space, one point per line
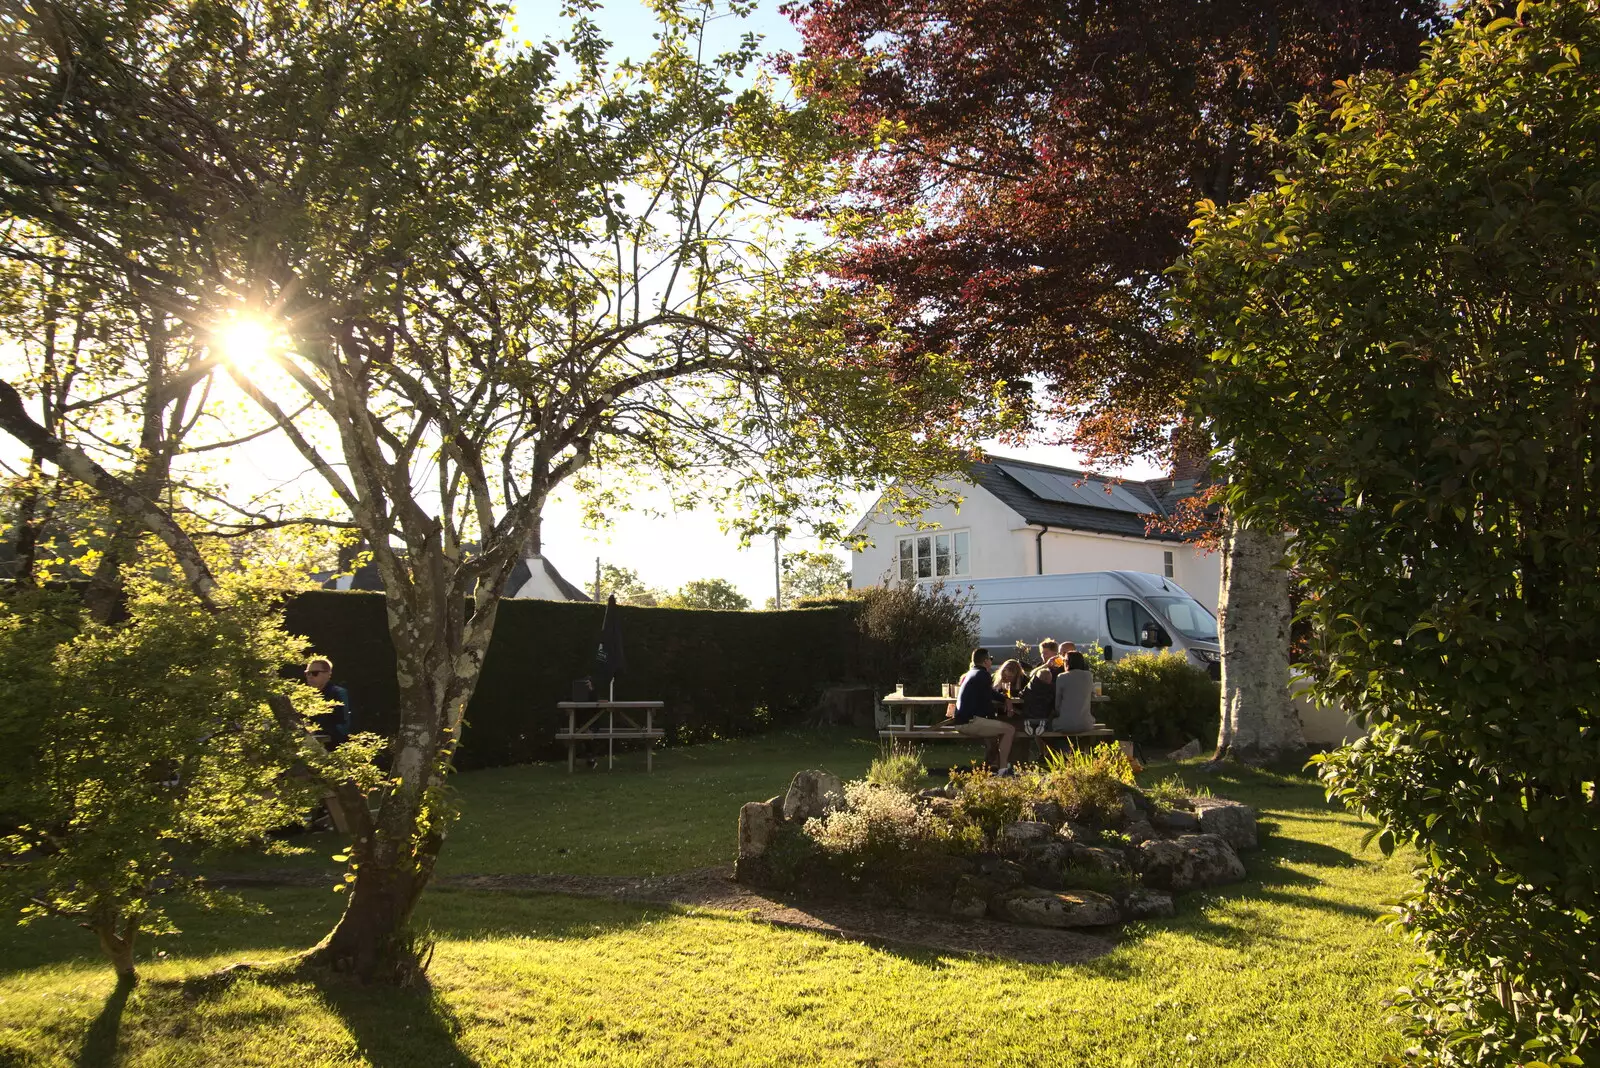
1071 842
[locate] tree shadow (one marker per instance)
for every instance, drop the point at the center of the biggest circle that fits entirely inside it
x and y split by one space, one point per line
395 1027
99 1048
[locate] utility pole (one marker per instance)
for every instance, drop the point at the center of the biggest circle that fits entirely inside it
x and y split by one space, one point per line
597 578
777 571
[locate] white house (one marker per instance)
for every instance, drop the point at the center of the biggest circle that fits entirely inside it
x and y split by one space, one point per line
1017 517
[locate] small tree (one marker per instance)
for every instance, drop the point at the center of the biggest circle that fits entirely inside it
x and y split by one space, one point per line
1407 335
707 593
812 574
917 633
128 750
626 585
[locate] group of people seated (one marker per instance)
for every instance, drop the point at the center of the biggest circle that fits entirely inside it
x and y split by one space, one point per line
991 704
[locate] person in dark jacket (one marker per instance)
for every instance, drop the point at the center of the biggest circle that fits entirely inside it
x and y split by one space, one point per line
976 702
334 724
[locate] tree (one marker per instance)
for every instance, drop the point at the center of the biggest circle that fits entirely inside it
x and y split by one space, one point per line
627 587
708 593
812 574
1025 174
479 276
1407 328
126 749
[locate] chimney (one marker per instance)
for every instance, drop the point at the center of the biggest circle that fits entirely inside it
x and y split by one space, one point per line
1191 454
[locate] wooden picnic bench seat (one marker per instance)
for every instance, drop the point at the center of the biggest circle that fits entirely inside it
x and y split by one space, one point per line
940 733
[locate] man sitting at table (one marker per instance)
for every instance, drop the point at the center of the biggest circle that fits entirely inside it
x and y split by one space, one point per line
976 704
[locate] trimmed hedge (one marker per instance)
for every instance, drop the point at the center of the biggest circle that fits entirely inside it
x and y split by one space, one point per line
720 673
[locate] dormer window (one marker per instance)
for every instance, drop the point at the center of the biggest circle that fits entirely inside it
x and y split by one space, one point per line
935 555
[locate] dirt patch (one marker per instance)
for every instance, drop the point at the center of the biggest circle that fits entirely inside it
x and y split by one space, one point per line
714 888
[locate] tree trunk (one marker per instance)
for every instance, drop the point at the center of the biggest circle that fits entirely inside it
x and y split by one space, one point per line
118 945
1259 722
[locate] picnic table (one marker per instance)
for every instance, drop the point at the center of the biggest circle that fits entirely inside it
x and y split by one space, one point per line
903 705
609 730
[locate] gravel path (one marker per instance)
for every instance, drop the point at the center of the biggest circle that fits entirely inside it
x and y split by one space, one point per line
714 888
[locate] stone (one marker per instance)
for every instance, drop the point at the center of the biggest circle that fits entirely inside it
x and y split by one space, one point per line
932 791
971 897
758 826
1188 862
1049 812
1048 908
1176 819
1004 874
812 794
1078 832
1099 858
1190 750
1145 904
1139 831
1130 810
1026 832
1140 801
1232 821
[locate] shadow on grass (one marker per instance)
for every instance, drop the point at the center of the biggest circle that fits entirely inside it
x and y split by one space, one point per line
411 1027
99 1047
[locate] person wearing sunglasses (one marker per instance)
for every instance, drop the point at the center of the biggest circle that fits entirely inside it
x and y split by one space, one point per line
333 726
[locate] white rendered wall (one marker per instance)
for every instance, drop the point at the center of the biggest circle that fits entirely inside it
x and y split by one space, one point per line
997 549
1004 546
540 584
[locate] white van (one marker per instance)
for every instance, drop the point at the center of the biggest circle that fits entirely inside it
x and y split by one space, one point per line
1123 612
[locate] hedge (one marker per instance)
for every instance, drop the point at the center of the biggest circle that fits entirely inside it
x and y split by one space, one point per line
720 673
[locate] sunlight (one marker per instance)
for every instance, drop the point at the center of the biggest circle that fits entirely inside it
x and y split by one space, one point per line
245 339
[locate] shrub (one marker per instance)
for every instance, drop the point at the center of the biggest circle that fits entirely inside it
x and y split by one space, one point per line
1159 700
916 633
1173 792
1088 785
882 836
129 748
898 768
989 802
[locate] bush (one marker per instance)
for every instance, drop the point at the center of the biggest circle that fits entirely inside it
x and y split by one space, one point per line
127 749
1159 700
884 839
1405 377
1088 785
916 633
898 768
989 802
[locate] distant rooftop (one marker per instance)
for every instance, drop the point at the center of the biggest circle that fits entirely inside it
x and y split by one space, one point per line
1079 500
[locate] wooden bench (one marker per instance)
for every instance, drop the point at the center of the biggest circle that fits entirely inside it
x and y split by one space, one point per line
950 734
610 731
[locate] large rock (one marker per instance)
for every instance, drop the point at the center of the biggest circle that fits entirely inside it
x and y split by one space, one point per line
1139 831
1232 821
758 826
1187 862
1045 908
1027 832
1190 750
1176 819
971 897
1144 904
1099 858
1049 812
812 793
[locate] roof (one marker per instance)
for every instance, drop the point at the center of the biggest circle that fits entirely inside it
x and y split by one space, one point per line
366 577
1078 500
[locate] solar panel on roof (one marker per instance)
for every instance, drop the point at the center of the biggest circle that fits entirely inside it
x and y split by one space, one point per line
1073 489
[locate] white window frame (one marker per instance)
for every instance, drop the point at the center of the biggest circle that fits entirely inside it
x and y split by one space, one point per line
917 553
1168 563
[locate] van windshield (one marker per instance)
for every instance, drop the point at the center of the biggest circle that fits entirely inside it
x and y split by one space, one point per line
1188 617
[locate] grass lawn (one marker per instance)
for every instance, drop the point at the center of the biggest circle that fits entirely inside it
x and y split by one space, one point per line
1288 968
